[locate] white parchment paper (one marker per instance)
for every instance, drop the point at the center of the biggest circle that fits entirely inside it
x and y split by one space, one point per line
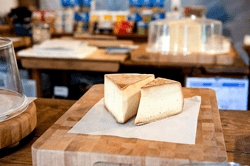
180 128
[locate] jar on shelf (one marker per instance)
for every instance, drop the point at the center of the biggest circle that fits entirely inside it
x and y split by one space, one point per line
40 32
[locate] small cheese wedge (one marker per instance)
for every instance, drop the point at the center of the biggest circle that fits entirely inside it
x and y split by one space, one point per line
122 94
160 98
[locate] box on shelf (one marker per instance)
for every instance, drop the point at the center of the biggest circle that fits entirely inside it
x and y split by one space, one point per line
29 87
124 28
105 21
143 12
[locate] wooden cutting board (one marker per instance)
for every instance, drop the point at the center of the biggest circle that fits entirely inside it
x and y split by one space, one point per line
15 129
99 60
57 147
141 55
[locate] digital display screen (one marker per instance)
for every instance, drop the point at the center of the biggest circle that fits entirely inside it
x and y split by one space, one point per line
232 94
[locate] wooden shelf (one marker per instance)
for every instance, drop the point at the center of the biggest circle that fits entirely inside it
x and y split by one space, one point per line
61 34
137 38
5 27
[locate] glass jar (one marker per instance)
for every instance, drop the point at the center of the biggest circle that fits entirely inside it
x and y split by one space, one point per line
12 98
40 32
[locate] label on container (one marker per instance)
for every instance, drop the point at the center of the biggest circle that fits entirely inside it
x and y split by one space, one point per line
68 3
58 26
120 18
69 26
86 3
82 16
77 2
141 24
134 17
64 3
61 91
69 14
107 17
148 3
141 28
94 18
159 3
136 3
159 16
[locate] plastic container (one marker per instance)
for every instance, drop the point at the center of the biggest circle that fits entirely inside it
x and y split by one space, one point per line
186 36
212 164
40 32
22 29
147 16
158 16
12 98
148 3
29 87
58 25
141 28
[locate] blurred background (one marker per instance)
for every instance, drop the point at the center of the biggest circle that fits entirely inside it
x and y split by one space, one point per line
42 20
233 14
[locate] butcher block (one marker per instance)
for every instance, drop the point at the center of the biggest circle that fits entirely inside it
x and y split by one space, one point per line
60 148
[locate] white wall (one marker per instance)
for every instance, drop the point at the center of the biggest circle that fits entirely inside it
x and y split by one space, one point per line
7 5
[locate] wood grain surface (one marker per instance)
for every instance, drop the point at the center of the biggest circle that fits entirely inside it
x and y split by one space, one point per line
238 68
18 127
236 129
103 43
93 36
97 61
23 42
57 147
235 126
141 55
48 111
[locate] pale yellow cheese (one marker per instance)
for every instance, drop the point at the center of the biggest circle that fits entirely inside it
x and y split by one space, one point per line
160 98
122 94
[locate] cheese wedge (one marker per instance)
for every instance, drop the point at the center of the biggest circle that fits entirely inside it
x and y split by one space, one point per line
160 98
122 94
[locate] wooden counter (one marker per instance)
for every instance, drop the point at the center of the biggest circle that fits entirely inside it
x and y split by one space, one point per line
102 62
235 125
98 61
237 68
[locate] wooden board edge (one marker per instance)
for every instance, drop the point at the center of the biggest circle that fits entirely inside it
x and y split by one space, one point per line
218 127
35 150
61 65
18 127
141 55
89 159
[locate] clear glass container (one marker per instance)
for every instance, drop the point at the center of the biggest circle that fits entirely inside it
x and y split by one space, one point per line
12 98
40 32
186 36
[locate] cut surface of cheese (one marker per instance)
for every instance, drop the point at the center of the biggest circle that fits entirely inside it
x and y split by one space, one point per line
160 98
122 94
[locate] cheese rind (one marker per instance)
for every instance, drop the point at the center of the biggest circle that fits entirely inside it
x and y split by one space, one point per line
122 94
160 98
